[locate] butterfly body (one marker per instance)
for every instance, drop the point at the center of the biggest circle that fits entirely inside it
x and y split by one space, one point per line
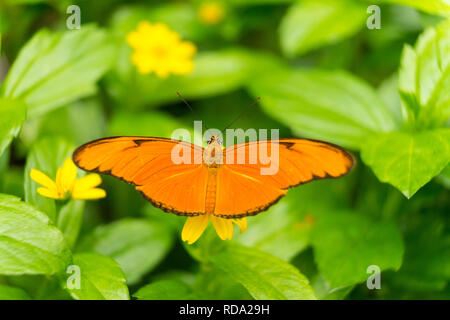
211 189
233 182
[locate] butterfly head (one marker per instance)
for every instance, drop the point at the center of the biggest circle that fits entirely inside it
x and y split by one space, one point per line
215 139
213 153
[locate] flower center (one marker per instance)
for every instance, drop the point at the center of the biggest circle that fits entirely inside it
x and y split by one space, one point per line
160 52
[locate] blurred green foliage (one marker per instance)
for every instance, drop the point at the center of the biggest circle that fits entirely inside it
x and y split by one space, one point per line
321 73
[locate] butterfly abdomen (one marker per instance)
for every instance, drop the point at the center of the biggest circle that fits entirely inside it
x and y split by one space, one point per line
211 188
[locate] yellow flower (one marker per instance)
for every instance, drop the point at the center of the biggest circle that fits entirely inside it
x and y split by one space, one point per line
195 226
211 12
66 182
160 50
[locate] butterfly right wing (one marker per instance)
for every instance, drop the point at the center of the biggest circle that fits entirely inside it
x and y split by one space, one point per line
147 163
246 187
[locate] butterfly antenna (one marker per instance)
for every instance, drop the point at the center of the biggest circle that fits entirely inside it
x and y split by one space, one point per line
242 113
185 102
189 106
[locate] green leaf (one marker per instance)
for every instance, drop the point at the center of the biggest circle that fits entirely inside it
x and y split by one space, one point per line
18 2
263 275
12 181
12 293
427 255
324 291
345 244
130 242
213 283
126 123
408 160
166 290
277 232
214 73
78 122
29 244
41 287
4 166
47 155
100 278
441 7
388 91
259 2
180 17
55 68
310 24
444 177
137 123
424 78
70 218
12 115
329 105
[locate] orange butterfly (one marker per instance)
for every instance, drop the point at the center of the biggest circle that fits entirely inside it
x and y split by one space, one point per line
223 185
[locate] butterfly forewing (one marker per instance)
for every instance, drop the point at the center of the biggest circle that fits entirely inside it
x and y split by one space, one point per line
149 164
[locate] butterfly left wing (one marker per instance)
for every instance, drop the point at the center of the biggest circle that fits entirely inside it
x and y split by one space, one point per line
242 189
147 163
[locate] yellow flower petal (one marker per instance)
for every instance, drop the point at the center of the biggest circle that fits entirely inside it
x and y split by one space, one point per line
43 179
87 182
48 193
194 228
86 194
133 39
211 12
224 227
144 26
186 48
160 50
68 175
58 181
182 67
242 223
162 72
